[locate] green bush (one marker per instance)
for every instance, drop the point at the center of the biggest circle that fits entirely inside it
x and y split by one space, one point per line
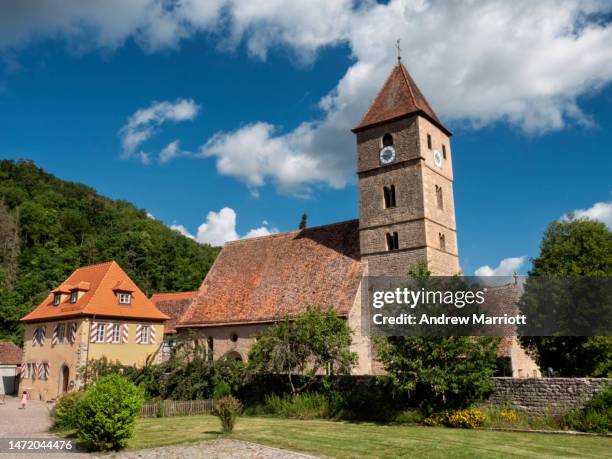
409 416
227 410
106 414
301 406
64 413
596 416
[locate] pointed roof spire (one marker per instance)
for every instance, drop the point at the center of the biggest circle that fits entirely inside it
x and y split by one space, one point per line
399 97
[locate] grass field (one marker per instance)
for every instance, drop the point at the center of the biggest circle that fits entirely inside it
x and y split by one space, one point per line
344 439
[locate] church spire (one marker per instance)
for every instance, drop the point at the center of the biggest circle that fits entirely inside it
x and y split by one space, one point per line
399 98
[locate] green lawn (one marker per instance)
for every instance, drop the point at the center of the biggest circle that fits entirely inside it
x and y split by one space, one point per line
344 439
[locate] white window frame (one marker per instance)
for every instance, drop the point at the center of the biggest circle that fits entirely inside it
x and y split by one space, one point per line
57 299
116 334
125 298
61 333
74 296
145 334
100 333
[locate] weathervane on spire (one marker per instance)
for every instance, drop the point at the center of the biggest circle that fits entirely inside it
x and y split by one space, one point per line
399 51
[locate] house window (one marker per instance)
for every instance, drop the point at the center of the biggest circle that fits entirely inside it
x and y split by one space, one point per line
125 298
429 141
61 332
45 371
442 241
116 333
144 336
389 196
57 298
392 241
74 296
100 333
31 371
211 347
439 197
387 140
444 151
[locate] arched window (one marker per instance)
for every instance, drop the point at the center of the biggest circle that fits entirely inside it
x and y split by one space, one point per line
392 241
439 197
442 241
389 196
387 140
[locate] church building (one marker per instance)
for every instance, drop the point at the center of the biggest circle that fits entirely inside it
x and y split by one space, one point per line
406 214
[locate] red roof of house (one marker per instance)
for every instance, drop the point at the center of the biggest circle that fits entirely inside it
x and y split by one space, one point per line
399 97
10 353
100 284
262 279
173 305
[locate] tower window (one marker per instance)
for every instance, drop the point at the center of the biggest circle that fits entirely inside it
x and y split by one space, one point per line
442 241
439 197
389 196
444 151
429 141
387 140
392 241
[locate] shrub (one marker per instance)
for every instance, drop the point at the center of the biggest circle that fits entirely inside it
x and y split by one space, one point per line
106 414
302 406
64 413
227 410
467 419
410 416
596 416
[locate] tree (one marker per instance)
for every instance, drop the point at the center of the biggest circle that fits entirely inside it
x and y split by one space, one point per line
576 247
303 222
439 372
300 348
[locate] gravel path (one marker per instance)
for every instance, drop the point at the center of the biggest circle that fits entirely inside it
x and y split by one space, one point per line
218 449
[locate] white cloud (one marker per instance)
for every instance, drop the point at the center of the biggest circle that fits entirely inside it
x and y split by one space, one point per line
600 211
145 122
507 267
220 227
480 62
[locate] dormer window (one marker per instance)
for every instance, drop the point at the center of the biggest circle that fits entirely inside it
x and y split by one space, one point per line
57 299
74 296
125 298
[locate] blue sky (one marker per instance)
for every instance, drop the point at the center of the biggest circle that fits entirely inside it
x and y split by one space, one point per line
269 99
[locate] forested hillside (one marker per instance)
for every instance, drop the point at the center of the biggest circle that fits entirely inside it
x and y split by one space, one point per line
49 227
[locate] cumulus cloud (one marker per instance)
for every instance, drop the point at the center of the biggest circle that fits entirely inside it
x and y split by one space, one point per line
600 211
220 227
506 267
145 122
480 62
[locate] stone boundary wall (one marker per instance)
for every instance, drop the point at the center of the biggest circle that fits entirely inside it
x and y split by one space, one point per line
539 395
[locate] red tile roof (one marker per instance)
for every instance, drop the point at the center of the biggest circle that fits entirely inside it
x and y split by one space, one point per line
262 279
399 97
10 353
100 284
173 305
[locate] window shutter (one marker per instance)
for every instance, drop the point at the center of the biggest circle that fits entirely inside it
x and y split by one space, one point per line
35 337
93 332
39 370
138 333
54 338
42 335
124 333
109 333
72 334
152 334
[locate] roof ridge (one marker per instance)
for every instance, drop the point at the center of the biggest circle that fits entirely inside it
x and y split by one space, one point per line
175 293
286 233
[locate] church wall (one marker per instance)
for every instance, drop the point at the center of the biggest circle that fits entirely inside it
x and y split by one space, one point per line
446 215
438 139
395 263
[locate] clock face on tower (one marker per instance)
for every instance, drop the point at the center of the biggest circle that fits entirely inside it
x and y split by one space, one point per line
387 155
437 157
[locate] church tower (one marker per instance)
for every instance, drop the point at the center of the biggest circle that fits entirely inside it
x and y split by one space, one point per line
404 165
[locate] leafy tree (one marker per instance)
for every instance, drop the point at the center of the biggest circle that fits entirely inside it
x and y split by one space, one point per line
439 372
300 348
50 227
303 222
576 247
